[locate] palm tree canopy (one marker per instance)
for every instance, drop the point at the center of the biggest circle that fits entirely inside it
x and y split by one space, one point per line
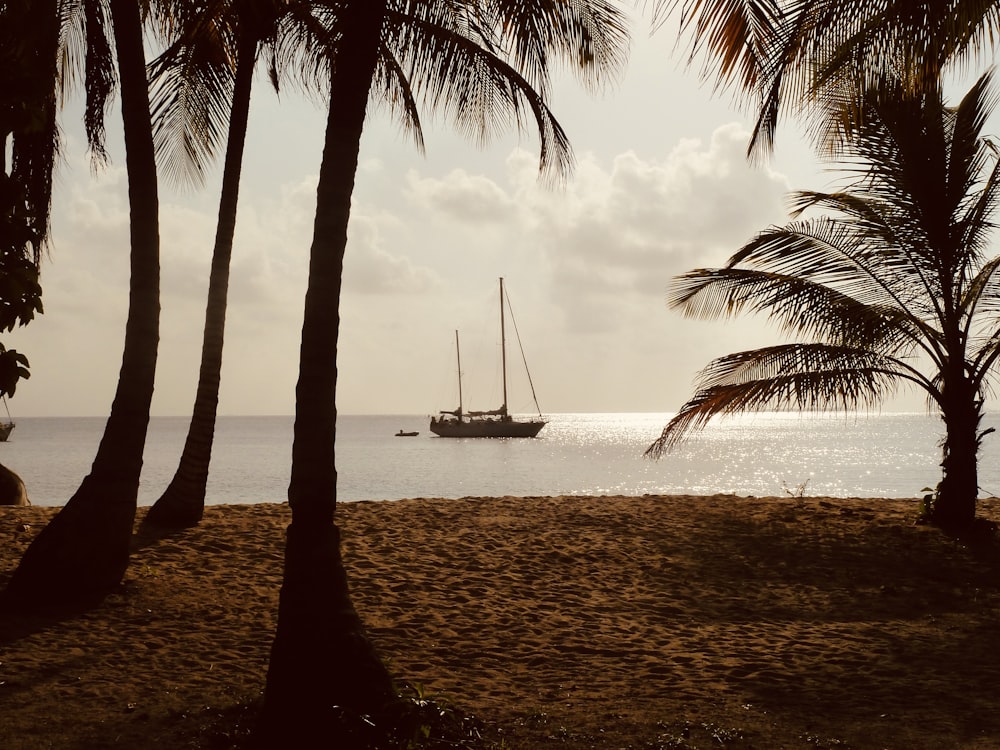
484 64
786 55
899 270
192 80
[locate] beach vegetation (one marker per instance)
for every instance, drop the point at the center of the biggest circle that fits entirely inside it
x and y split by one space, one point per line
27 113
799 491
414 721
484 64
896 287
20 290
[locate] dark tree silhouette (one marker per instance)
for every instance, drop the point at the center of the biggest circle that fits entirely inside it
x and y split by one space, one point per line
29 38
322 663
213 62
898 277
83 552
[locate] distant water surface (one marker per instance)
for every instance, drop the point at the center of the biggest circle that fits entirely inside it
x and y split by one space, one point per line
890 455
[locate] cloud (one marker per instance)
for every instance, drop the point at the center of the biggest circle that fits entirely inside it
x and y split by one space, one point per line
612 237
459 196
370 269
587 262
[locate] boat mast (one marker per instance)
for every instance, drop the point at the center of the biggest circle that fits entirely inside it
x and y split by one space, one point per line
503 351
458 356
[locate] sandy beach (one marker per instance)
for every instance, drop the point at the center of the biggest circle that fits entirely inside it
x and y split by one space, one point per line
562 622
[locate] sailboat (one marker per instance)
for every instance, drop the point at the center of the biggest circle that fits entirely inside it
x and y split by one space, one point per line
495 423
6 427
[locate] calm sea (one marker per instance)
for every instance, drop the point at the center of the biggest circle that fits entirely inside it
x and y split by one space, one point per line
890 455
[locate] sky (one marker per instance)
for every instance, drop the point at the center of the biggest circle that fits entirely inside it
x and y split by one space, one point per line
661 186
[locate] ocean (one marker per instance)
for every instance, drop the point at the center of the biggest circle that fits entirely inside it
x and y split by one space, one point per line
888 455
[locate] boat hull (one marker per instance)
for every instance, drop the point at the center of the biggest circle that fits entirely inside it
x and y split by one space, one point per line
5 430
486 428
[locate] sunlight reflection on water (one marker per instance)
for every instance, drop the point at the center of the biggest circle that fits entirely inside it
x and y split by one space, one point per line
889 455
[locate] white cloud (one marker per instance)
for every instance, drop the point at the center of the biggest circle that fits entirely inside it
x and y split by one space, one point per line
370 269
587 263
611 238
459 196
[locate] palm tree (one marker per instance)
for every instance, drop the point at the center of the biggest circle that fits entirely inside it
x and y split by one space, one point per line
788 54
192 82
446 52
898 278
83 552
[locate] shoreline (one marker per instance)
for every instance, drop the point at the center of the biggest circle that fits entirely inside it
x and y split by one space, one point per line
565 622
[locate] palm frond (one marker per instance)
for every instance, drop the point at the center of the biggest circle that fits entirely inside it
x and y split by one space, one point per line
189 103
99 76
305 41
967 153
391 87
982 297
916 38
974 225
809 377
927 171
730 37
981 307
985 360
796 55
592 37
800 307
481 92
786 70
858 256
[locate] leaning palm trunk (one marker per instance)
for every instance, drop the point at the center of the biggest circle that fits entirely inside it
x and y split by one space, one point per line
321 659
183 502
82 554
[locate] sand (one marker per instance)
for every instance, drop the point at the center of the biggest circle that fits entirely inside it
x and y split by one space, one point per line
564 622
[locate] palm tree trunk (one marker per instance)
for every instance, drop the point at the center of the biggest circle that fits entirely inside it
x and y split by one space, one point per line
955 506
321 659
183 502
83 552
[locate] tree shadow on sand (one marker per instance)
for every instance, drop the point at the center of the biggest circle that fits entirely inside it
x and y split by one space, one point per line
869 631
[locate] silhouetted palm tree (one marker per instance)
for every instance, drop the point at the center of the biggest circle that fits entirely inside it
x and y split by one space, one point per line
448 53
211 64
83 552
898 278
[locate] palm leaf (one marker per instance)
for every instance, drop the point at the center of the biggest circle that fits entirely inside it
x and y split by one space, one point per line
482 93
855 256
801 376
189 103
731 37
801 308
99 75
592 36
191 91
